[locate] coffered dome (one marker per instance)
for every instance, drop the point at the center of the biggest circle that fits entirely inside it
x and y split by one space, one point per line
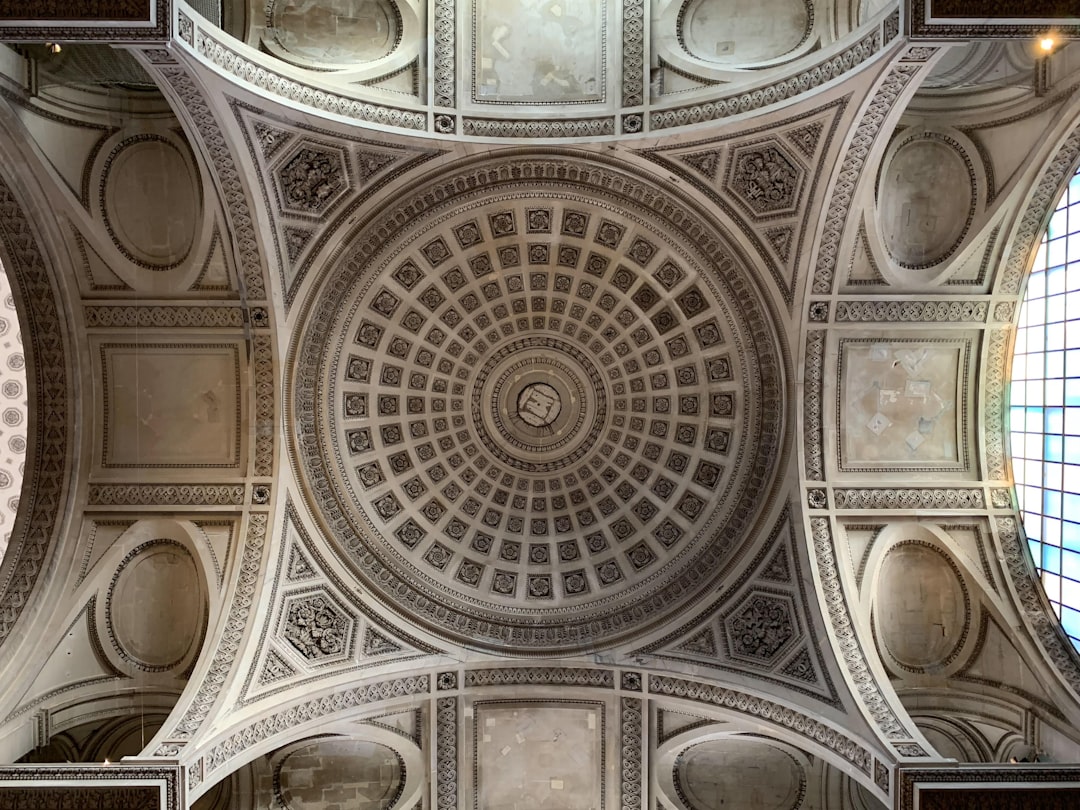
550 416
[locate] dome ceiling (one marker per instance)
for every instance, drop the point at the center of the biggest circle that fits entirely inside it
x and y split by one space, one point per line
551 417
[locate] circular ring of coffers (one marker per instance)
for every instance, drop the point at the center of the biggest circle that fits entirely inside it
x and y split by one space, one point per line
538 404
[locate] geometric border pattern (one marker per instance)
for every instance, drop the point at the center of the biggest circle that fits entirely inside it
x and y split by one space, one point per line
49 468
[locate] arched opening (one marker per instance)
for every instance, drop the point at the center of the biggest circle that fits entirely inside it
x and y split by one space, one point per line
1045 410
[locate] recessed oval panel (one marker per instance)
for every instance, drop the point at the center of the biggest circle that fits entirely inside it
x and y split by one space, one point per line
336 31
151 202
340 773
920 609
156 607
743 31
925 201
739 772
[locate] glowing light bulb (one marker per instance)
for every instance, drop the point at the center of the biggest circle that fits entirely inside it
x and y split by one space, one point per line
1047 44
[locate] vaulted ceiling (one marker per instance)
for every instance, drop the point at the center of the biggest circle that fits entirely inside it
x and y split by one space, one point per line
586 404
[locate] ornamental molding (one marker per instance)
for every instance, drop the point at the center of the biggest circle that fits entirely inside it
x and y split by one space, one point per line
633 52
121 786
995 407
221 665
860 674
165 495
791 654
262 363
828 69
538 128
248 71
255 732
710 166
445 64
759 709
912 498
813 404
539 676
874 118
245 240
892 311
1040 205
1033 604
49 468
302 573
631 715
447 712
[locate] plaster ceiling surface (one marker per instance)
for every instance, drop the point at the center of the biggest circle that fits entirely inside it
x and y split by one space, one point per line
551 409
552 404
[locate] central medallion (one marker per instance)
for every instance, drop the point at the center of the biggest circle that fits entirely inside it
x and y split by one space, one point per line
538 404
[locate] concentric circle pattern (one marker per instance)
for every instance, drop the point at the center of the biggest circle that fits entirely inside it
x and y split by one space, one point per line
551 416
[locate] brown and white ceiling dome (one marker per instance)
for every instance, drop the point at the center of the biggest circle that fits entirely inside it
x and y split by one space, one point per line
538 404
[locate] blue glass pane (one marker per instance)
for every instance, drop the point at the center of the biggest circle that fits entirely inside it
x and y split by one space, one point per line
1055 420
1072 392
1070 534
1070 620
1052 448
1070 564
1055 255
1051 503
1052 392
1055 278
1055 336
1051 531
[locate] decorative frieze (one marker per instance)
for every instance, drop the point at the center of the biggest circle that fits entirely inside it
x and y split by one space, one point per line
446 753
756 707
165 317
165 495
890 311
540 676
813 427
287 719
633 53
847 641
994 405
278 84
47 468
445 54
630 727
229 646
928 498
537 128
851 170
826 70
